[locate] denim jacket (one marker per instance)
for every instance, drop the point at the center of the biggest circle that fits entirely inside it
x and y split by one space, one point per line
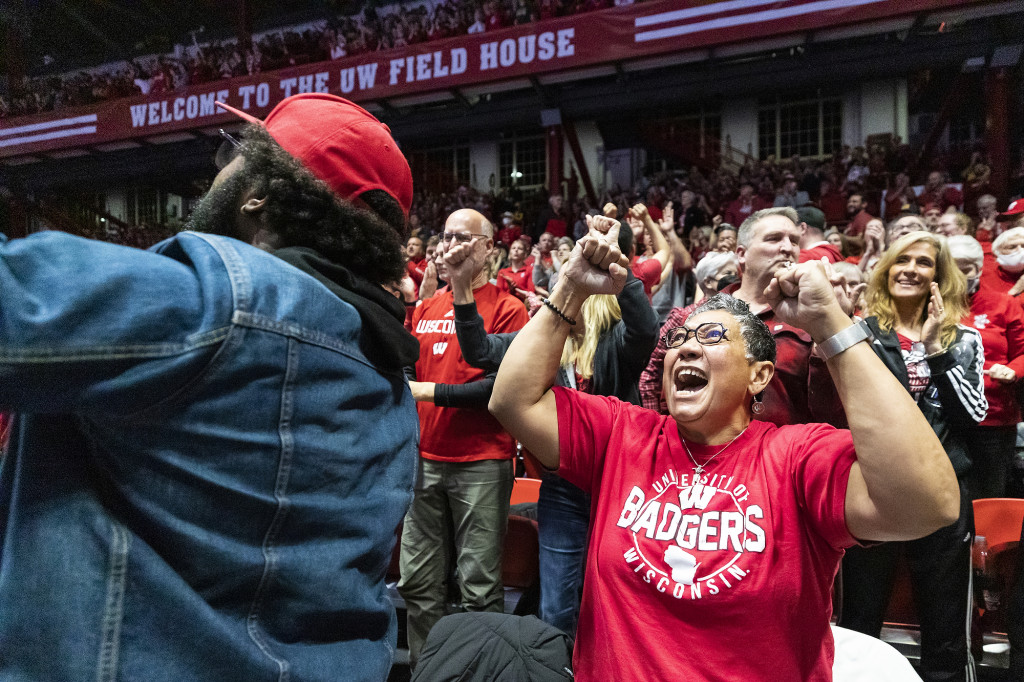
205 475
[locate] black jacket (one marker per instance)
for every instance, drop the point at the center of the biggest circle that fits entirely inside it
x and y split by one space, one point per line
954 401
494 647
622 352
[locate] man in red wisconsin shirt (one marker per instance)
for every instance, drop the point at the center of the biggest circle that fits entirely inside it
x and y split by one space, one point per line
465 473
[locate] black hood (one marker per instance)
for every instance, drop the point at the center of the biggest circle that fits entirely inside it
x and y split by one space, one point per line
384 339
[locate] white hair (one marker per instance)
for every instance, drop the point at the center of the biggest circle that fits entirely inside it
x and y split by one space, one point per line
849 270
712 263
1005 237
963 247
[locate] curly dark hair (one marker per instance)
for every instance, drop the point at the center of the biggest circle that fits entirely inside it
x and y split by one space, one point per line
303 211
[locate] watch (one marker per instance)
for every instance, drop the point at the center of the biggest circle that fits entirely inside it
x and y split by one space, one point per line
842 340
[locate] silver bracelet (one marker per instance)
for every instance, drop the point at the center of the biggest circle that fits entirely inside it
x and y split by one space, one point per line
844 339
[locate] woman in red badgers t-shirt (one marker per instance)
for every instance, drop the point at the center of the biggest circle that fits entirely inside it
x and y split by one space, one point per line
715 537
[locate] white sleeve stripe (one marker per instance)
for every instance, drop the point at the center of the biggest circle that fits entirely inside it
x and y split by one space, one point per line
972 393
978 408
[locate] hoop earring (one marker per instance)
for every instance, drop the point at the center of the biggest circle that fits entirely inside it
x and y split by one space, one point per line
758 406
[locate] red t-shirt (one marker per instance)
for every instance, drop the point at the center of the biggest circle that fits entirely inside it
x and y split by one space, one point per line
1000 321
728 578
455 434
833 205
994 277
416 268
949 196
857 224
737 212
521 278
507 235
556 227
821 250
918 373
647 271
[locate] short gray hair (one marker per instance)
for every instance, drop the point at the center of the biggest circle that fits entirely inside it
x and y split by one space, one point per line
963 247
848 270
1005 237
746 231
757 338
712 263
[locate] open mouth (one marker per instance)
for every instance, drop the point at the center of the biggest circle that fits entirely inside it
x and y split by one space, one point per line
690 380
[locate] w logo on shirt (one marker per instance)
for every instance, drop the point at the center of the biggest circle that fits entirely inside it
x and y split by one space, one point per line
440 347
981 321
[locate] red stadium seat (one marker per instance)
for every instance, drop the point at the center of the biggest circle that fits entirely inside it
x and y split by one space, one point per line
525 490
999 519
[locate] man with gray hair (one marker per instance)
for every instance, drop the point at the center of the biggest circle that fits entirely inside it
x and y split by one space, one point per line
801 390
987 214
901 225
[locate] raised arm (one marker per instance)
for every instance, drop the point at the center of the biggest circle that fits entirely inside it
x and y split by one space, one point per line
680 260
522 399
479 348
636 336
903 485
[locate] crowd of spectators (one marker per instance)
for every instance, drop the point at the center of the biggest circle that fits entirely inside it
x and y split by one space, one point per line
375 29
850 186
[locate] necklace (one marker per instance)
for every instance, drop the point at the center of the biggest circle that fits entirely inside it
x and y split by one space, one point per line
699 468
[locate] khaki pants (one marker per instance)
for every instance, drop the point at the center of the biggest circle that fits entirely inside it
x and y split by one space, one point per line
467 502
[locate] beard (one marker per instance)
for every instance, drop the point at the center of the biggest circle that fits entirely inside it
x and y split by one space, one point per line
216 212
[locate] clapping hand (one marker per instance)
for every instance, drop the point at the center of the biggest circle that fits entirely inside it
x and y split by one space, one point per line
428 287
668 218
931 332
874 235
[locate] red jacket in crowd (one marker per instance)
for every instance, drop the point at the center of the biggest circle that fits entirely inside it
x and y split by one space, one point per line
1000 321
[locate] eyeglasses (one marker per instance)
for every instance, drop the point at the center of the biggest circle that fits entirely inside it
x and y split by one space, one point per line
227 151
460 237
707 334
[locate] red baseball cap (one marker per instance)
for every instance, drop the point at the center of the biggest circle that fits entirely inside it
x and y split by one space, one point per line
1014 209
340 143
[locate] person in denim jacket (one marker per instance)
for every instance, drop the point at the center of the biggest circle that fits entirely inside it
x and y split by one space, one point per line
214 443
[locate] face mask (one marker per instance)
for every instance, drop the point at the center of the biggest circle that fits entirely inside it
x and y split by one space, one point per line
726 281
972 284
1012 262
